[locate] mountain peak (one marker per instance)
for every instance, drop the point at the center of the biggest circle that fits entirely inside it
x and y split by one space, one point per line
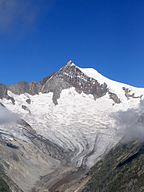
69 64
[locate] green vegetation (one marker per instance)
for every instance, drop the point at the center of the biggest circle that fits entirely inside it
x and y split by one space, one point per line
3 186
121 170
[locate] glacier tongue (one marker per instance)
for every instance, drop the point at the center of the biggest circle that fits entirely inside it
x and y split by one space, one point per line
78 123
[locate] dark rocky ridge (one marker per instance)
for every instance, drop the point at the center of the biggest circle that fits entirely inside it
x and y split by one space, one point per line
70 76
67 77
3 91
24 87
114 97
129 95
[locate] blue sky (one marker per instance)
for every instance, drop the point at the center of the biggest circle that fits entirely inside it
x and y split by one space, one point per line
37 37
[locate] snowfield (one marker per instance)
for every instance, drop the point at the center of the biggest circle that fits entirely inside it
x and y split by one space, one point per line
79 123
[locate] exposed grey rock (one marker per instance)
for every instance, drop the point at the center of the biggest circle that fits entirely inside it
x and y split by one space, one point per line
1 104
10 98
82 83
3 91
70 76
114 97
26 108
128 94
24 87
44 80
28 101
55 85
26 126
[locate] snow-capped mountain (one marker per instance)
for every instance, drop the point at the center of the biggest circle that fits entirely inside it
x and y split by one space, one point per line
70 113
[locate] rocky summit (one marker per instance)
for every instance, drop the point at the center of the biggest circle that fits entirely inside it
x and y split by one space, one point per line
73 131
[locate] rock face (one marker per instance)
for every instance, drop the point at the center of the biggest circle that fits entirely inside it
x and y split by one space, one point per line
114 97
24 87
69 76
3 91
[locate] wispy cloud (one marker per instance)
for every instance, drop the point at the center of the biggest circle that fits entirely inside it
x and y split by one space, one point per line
130 123
24 12
6 116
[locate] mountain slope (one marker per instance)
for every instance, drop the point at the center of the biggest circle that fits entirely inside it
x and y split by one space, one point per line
121 170
64 123
3 186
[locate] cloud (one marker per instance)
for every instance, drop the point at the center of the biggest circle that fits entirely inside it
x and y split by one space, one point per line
24 12
6 116
130 124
